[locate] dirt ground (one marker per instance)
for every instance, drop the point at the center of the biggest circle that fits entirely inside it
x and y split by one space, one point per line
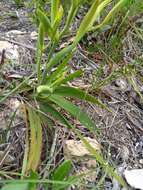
121 131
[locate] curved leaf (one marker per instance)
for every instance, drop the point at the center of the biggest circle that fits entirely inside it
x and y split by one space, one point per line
54 9
45 22
88 21
47 108
36 140
57 58
111 14
74 111
72 76
61 173
77 93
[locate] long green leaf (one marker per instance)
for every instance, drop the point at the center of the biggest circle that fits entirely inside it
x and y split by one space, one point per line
47 108
111 14
16 186
57 58
40 44
67 91
41 37
54 10
75 111
61 173
77 93
71 15
59 70
58 19
90 18
60 56
72 76
88 21
45 22
46 181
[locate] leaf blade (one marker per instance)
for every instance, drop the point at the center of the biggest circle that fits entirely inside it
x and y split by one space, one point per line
77 93
110 15
45 22
61 173
54 10
74 111
16 186
36 140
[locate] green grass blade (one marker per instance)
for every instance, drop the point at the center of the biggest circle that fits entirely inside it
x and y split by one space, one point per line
40 181
74 111
77 93
111 14
71 15
57 58
58 19
47 108
41 37
72 76
54 10
15 186
61 173
90 18
59 70
40 47
45 22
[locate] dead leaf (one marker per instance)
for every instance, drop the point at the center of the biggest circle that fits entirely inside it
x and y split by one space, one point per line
122 84
78 153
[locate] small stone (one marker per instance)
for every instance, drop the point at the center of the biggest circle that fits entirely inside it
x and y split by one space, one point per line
141 161
11 51
124 151
91 163
34 35
77 149
134 178
78 153
122 84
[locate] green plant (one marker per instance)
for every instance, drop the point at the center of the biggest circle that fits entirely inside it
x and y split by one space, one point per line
50 93
18 3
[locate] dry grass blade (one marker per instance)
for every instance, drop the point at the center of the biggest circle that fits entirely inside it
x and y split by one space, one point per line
36 140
